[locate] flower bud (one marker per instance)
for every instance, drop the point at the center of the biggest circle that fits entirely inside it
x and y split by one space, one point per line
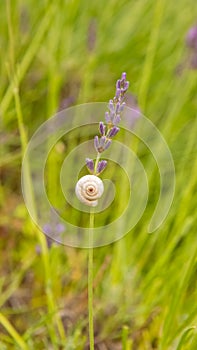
118 92
102 128
90 164
123 77
118 84
101 166
116 119
96 143
113 131
107 144
107 117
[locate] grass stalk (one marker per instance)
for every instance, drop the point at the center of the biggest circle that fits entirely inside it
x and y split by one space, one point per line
12 331
24 142
23 66
151 52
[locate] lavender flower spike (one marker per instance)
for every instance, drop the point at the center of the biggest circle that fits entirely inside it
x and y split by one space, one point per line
101 166
108 129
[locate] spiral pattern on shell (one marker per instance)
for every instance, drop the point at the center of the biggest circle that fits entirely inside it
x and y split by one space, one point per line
89 189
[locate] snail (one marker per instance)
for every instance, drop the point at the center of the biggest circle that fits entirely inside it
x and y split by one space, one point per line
89 189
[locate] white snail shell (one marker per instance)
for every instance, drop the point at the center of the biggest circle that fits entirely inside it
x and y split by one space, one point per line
89 189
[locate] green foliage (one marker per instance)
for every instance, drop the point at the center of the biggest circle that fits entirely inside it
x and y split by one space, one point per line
145 285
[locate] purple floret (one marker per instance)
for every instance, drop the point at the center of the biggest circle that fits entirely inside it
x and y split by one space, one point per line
113 131
90 164
102 128
191 39
101 166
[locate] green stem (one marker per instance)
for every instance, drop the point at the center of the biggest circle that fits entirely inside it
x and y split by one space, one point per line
96 164
90 282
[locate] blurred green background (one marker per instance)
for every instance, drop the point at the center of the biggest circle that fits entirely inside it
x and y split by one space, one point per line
56 54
